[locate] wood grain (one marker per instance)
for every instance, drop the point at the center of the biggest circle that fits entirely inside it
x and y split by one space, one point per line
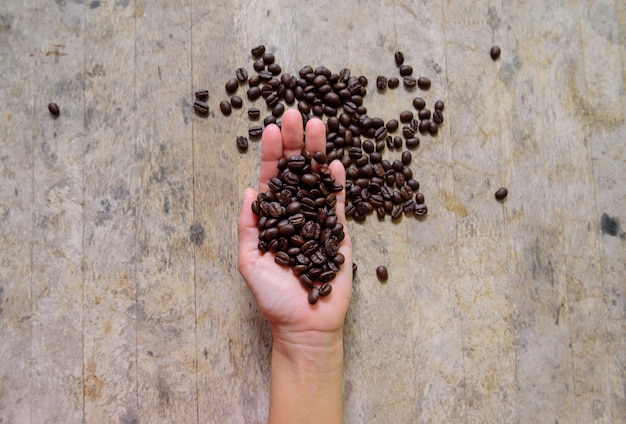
120 300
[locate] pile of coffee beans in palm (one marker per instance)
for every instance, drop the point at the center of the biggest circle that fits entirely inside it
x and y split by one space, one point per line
373 183
298 223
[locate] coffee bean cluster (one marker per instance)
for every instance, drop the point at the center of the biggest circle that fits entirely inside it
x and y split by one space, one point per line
298 222
373 184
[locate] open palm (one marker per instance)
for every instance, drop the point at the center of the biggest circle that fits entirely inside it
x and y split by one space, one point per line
277 291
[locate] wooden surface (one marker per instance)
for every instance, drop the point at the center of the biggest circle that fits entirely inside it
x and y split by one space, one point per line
119 295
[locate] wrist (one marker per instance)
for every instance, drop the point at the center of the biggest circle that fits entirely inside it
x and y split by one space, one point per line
311 351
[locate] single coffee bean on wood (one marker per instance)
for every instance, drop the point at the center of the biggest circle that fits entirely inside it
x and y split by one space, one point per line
53 108
381 82
393 82
225 107
255 130
419 103
242 143
501 193
495 52
202 94
231 85
423 83
236 102
201 107
258 51
406 70
241 74
381 273
399 58
254 113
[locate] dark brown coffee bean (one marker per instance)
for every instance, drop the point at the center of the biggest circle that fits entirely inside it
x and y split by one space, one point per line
381 273
236 102
258 65
306 281
320 157
392 125
419 198
241 74
231 85
423 83
254 113
419 103
269 119
501 193
254 93
409 82
201 107
406 116
268 58
242 144
255 131
399 57
281 258
278 110
314 295
397 142
423 114
202 94
433 128
437 117
325 289
274 68
495 52
381 82
439 105
421 210
393 82
225 107
258 51
406 70
327 276
406 157
424 126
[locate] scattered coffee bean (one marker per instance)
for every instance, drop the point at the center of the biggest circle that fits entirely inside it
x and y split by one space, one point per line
201 107
495 52
423 83
501 193
231 85
439 105
325 289
202 94
419 103
406 116
258 51
242 144
314 295
241 74
225 107
381 82
381 273
399 57
236 102
254 113
406 70
409 82
255 131
53 108
393 82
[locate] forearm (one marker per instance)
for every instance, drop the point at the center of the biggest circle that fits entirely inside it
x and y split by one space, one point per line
307 381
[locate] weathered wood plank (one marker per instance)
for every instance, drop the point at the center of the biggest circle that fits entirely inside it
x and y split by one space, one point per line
57 280
166 339
110 246
16 210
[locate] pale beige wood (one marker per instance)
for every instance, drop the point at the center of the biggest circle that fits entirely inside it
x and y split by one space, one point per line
110 209
166 339
16 211
57 290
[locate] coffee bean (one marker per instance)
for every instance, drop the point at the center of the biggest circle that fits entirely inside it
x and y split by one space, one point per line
419 103
274 68
254 93
406 116
437 117
381 82
201 107
433 128
254 80
202 94
242 144
495 52
269 119
421 210
393 82
320 157
268 58
236 102
392 125
423 83
258 51
258 65
231 85
241 74
399 57
406 70
255 131
439 105
501 193
381 273
419 198
53 108
409 82
278 110
325 289
225 107
254 113
406 157
314 295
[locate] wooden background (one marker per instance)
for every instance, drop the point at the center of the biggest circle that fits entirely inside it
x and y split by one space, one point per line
110 311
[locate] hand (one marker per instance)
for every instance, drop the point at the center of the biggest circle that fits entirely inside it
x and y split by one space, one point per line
277 291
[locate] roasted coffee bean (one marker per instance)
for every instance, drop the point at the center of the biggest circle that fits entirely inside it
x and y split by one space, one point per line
392 125
254 113
381 82
268 58
225 107
201 94
278 110
495 52
424 126
419 198
423 114
501 193
236 102
423 83
439 105
241 74
314 295
242 144
406 70
200 107
270 119
306 281
437 117
325 289
397 142
231 85
258 51
414 184
255 131
409 82
406 157
433 128
327 276
258 65
419 103
281 258
274 68
254 93
381 273
320 157
421 210
393 82
406 116
399 57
